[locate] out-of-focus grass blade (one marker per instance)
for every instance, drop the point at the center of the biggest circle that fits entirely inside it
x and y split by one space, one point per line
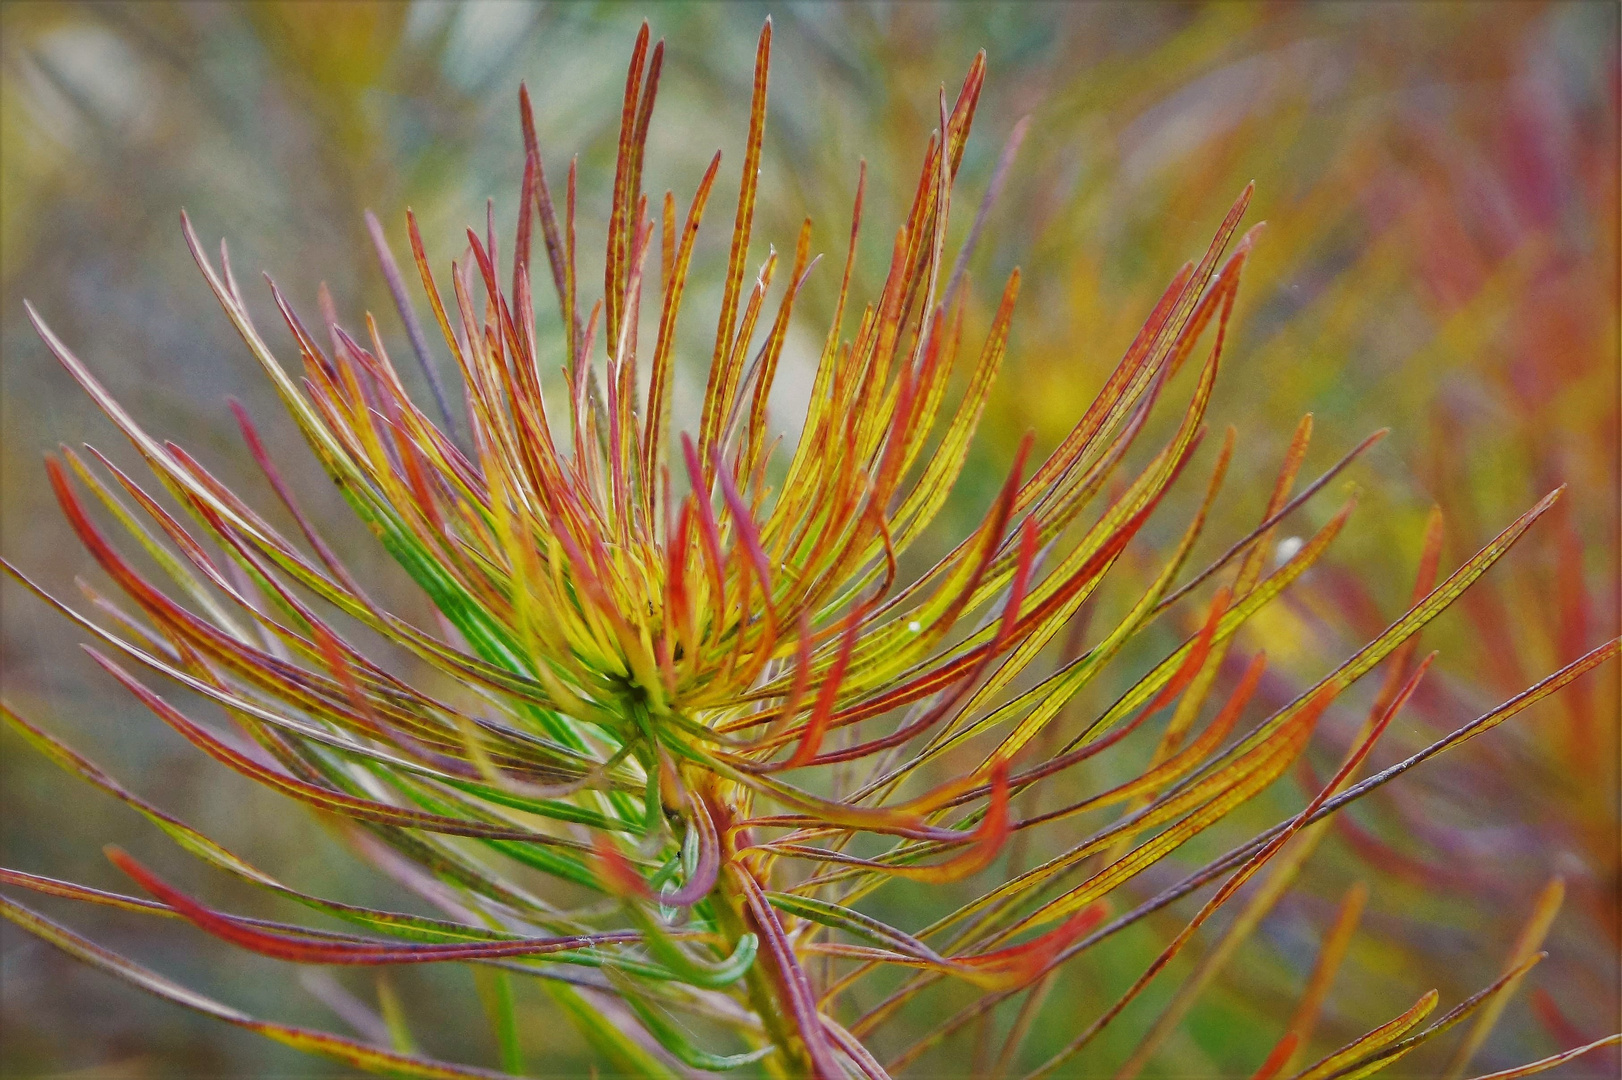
1527 943
495 988
627 1056
394 1017
1330 955
1277 1058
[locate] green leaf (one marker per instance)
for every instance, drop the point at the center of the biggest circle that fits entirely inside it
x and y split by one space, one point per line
673 1039
623 1053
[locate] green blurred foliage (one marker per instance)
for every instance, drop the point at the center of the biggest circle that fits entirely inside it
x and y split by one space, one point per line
1441 190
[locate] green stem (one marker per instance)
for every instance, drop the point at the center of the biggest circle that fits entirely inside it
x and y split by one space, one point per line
764 985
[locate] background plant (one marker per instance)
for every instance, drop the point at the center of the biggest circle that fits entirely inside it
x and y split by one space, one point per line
1144 305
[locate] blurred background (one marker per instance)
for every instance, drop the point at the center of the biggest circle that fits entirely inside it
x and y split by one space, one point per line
1440 183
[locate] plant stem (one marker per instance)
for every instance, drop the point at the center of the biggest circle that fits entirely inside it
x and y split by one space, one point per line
765 987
